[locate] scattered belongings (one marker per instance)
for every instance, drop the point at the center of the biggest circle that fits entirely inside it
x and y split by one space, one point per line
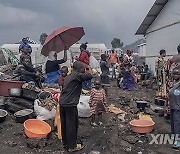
5 68
115 110
45 106
35 128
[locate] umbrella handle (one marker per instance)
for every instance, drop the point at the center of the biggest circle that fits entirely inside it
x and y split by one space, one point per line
65 46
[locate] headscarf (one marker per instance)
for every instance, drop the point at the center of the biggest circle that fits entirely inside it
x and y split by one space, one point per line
51 55
84 46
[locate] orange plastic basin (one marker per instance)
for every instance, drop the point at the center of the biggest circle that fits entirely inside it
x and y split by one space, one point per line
35 128
142 126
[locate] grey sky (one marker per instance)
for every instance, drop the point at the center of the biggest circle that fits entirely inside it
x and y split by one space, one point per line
102 19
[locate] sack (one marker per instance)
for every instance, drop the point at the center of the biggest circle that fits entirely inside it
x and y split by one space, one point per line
94 64
83 107
43 113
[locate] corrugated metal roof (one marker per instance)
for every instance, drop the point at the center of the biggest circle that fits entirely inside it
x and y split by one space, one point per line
151 16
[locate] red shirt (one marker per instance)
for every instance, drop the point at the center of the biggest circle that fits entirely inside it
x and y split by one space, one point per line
61 80
84 57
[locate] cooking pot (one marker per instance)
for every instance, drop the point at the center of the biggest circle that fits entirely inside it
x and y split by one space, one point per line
160 102
22 115
141 104
3 114
3 106
29 94
15 92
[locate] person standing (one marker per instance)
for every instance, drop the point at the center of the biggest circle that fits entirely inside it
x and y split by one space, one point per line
68 106
97 103
174 61
113 60
104 69
174 102
84 57
23 44
161 75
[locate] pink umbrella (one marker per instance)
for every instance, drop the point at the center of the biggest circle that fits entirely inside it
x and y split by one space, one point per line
60 38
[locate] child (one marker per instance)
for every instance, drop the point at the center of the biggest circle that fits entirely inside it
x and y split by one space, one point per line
97 102
25 54
104 69
64 71
68 106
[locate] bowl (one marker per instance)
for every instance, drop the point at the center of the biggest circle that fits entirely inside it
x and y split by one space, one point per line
3 114
23 115
142 126
35 128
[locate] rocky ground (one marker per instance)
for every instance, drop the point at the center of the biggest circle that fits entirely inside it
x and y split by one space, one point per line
114 137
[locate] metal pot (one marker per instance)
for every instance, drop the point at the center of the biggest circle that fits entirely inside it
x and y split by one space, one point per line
3 114
3 106
160 102
15 92
23 115
141 104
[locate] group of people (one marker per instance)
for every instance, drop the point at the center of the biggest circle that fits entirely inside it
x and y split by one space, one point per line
125 66
81 77
168 80
71 85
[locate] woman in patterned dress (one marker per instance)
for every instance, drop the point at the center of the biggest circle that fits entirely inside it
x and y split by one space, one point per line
97 103
161 75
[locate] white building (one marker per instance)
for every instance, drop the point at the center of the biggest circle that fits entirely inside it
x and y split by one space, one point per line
142 50
161 28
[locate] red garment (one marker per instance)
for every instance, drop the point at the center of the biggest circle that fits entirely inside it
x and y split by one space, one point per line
84 57
61 80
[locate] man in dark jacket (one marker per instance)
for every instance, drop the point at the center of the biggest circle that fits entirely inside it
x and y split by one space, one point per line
68 105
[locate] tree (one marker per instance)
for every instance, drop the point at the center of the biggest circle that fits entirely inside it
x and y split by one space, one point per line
116 43
42 38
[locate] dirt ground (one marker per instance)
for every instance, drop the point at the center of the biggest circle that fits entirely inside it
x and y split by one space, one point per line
114 137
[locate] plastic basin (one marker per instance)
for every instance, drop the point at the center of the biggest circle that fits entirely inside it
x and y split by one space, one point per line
35 128
142 126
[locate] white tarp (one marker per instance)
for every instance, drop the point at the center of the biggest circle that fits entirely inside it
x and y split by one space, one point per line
36 56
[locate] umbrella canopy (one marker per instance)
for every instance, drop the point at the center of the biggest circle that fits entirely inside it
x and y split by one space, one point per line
60 38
